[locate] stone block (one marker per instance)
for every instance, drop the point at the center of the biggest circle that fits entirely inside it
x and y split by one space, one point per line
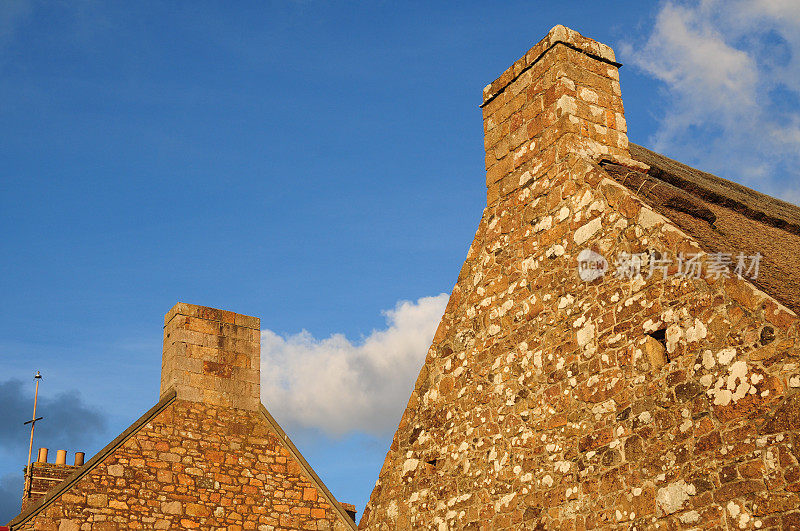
211 355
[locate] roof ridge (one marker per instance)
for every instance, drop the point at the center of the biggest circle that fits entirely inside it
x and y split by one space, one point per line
721 219
659 191
306 466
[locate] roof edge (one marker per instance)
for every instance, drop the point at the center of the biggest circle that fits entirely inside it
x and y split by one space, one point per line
645 204
306 466
733 200
76 476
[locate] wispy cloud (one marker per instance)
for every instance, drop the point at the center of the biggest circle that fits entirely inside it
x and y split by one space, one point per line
339 386
731 73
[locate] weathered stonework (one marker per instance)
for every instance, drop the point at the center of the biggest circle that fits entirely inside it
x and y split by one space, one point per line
45 476
207 456
547 402
212 356
195 466
561 97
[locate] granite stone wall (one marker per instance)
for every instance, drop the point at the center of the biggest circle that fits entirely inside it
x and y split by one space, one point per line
546 401
194 466
212 356
207 456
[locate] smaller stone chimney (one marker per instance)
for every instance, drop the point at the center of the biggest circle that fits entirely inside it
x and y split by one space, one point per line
45 476
212 356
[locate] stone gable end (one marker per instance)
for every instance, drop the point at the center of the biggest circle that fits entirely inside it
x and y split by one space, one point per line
194 466
207 456
550 402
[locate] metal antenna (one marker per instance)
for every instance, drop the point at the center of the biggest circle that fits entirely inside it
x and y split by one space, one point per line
32 422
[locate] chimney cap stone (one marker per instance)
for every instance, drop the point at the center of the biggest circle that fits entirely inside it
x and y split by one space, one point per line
212 314
558 34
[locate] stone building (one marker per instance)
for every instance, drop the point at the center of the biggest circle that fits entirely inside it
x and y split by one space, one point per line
610 357
620 350
208 455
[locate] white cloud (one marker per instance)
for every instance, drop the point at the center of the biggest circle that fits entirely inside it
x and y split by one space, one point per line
339 386
731 70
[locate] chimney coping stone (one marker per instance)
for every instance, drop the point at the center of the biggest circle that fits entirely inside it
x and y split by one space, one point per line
558 34
212 314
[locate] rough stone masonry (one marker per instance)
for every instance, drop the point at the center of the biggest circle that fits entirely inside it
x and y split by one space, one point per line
207 456
548 402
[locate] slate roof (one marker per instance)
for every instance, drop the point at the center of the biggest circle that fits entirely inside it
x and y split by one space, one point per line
722 216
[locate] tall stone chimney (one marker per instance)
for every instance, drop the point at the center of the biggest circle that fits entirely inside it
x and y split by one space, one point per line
561 97
212 356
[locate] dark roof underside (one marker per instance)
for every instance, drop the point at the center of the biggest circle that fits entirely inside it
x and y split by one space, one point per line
723 217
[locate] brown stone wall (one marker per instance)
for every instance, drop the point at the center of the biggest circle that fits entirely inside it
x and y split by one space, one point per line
195 466
547 402
538 406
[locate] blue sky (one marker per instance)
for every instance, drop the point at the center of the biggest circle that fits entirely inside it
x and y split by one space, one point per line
311 163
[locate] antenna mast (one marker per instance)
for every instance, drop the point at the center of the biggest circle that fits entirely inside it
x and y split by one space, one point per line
32 422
